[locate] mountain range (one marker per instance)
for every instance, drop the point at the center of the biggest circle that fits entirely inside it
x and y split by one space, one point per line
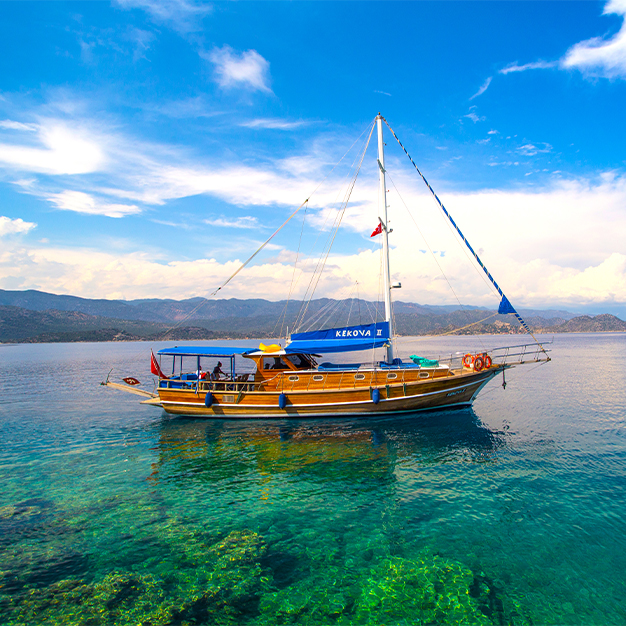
36 316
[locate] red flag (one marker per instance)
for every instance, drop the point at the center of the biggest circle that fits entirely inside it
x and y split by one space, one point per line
154 366
377 230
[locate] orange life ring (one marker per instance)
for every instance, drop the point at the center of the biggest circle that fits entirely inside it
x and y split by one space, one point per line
479 363
468 360
488 361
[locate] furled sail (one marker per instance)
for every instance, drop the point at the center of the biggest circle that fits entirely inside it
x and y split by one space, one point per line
345 339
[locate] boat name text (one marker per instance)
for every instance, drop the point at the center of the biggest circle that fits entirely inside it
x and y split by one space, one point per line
358 333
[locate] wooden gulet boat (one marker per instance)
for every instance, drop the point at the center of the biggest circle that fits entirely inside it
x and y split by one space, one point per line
288 382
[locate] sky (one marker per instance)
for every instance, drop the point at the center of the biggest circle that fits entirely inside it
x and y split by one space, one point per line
148 148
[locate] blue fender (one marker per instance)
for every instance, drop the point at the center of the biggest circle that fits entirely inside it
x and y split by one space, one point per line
282 401
208 400
376 396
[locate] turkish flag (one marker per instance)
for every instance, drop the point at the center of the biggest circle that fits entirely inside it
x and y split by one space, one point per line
377 230
154 366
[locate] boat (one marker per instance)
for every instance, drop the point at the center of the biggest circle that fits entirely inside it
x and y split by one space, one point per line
292 381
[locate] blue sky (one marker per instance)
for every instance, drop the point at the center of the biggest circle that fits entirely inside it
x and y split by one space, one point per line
147 148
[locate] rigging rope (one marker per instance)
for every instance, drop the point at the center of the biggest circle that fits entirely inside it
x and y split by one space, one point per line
505 305
322 261
419 230
289 218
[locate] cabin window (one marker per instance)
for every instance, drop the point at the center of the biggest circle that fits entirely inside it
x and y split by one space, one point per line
359 377
274 363
424 374
391 376
299 360
318 378
294 378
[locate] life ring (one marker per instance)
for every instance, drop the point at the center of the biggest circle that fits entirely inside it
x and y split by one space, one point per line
488 361
479 363
468 359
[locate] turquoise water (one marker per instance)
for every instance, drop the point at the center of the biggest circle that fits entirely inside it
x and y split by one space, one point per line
507 513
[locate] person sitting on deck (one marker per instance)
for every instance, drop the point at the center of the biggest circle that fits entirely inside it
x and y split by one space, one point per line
217 372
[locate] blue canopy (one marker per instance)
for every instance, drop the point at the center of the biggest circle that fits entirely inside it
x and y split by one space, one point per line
345 339
203 351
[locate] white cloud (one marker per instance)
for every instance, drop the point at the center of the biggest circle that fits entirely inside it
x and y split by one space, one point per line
482 88
12 125
598 56
16 226
247 69
61 150
184 16
384 93
530 149
274 124
246 221
559 246
537 65
80 202
558 242
472 115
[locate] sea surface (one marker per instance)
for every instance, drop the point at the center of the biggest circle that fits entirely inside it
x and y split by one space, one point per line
511 512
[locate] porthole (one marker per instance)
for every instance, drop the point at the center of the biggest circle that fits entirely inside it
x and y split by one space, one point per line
424 375
359 377
391 376
294 378
318 378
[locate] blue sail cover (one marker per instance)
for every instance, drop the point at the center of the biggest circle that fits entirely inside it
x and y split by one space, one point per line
345 339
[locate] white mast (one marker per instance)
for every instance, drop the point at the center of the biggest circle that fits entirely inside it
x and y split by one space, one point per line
385 234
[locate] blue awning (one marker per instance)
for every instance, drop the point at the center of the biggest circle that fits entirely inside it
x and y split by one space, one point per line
216 351
345 339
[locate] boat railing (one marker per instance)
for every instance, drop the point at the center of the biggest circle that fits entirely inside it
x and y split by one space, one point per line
505 355
518 355
239 383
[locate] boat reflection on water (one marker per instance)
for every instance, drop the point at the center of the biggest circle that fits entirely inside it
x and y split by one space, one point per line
320 449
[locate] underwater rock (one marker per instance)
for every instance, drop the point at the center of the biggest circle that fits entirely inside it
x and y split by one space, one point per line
425 590
11 511
120 598
233 580
223 588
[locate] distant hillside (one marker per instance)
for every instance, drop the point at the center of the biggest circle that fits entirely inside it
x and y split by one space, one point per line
22 325
172 311
239 319
588 324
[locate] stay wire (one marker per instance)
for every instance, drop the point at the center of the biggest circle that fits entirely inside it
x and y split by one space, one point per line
311 288
497 287
283 316
338 219
409 212
287 220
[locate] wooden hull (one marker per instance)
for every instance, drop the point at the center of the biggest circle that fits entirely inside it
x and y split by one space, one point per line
457 389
